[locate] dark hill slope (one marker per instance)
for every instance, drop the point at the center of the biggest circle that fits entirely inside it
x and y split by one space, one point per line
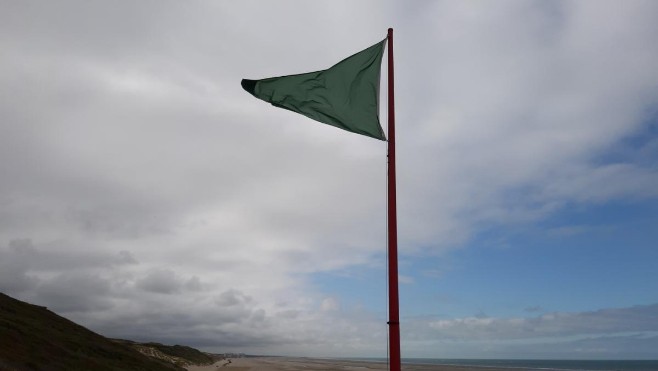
34 338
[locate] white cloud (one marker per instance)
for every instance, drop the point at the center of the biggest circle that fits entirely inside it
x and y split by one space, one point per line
517 107
551 325
613 333
329 304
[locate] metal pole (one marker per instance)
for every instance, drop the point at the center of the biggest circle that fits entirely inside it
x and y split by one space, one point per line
393 295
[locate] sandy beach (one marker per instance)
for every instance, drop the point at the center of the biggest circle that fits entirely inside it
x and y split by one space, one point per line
310 364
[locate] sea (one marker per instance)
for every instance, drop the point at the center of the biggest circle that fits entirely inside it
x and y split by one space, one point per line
536 364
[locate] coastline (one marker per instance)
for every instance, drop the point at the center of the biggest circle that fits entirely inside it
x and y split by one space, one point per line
313 364
273 363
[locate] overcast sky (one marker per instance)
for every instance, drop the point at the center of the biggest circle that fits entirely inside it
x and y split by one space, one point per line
145 195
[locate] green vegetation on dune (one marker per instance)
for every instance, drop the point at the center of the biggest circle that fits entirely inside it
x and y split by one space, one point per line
34 338
191 354
177 354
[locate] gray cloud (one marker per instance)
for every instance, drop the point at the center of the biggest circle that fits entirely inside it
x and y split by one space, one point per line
160 281
14 276
60 256
75 292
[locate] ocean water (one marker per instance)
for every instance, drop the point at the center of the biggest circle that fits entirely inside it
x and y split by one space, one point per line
579 365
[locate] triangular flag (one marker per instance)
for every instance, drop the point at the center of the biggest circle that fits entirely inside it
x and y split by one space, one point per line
345 95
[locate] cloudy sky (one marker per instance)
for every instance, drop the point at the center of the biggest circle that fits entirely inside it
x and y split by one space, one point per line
146 196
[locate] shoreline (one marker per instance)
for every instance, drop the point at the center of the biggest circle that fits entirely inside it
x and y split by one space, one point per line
283 363
324 364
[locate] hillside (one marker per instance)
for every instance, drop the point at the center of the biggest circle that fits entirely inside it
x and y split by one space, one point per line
34 338
177 354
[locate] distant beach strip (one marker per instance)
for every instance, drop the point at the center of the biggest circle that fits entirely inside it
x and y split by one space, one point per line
311 364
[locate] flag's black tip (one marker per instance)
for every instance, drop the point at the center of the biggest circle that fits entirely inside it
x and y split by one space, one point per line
249 85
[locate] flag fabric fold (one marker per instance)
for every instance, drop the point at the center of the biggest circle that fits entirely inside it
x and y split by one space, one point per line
345 95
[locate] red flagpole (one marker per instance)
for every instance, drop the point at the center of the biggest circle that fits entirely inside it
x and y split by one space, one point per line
393 296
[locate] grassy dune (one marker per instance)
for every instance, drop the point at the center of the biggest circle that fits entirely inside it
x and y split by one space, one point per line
34 338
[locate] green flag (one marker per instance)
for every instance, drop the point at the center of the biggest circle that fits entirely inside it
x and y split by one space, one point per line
345 95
